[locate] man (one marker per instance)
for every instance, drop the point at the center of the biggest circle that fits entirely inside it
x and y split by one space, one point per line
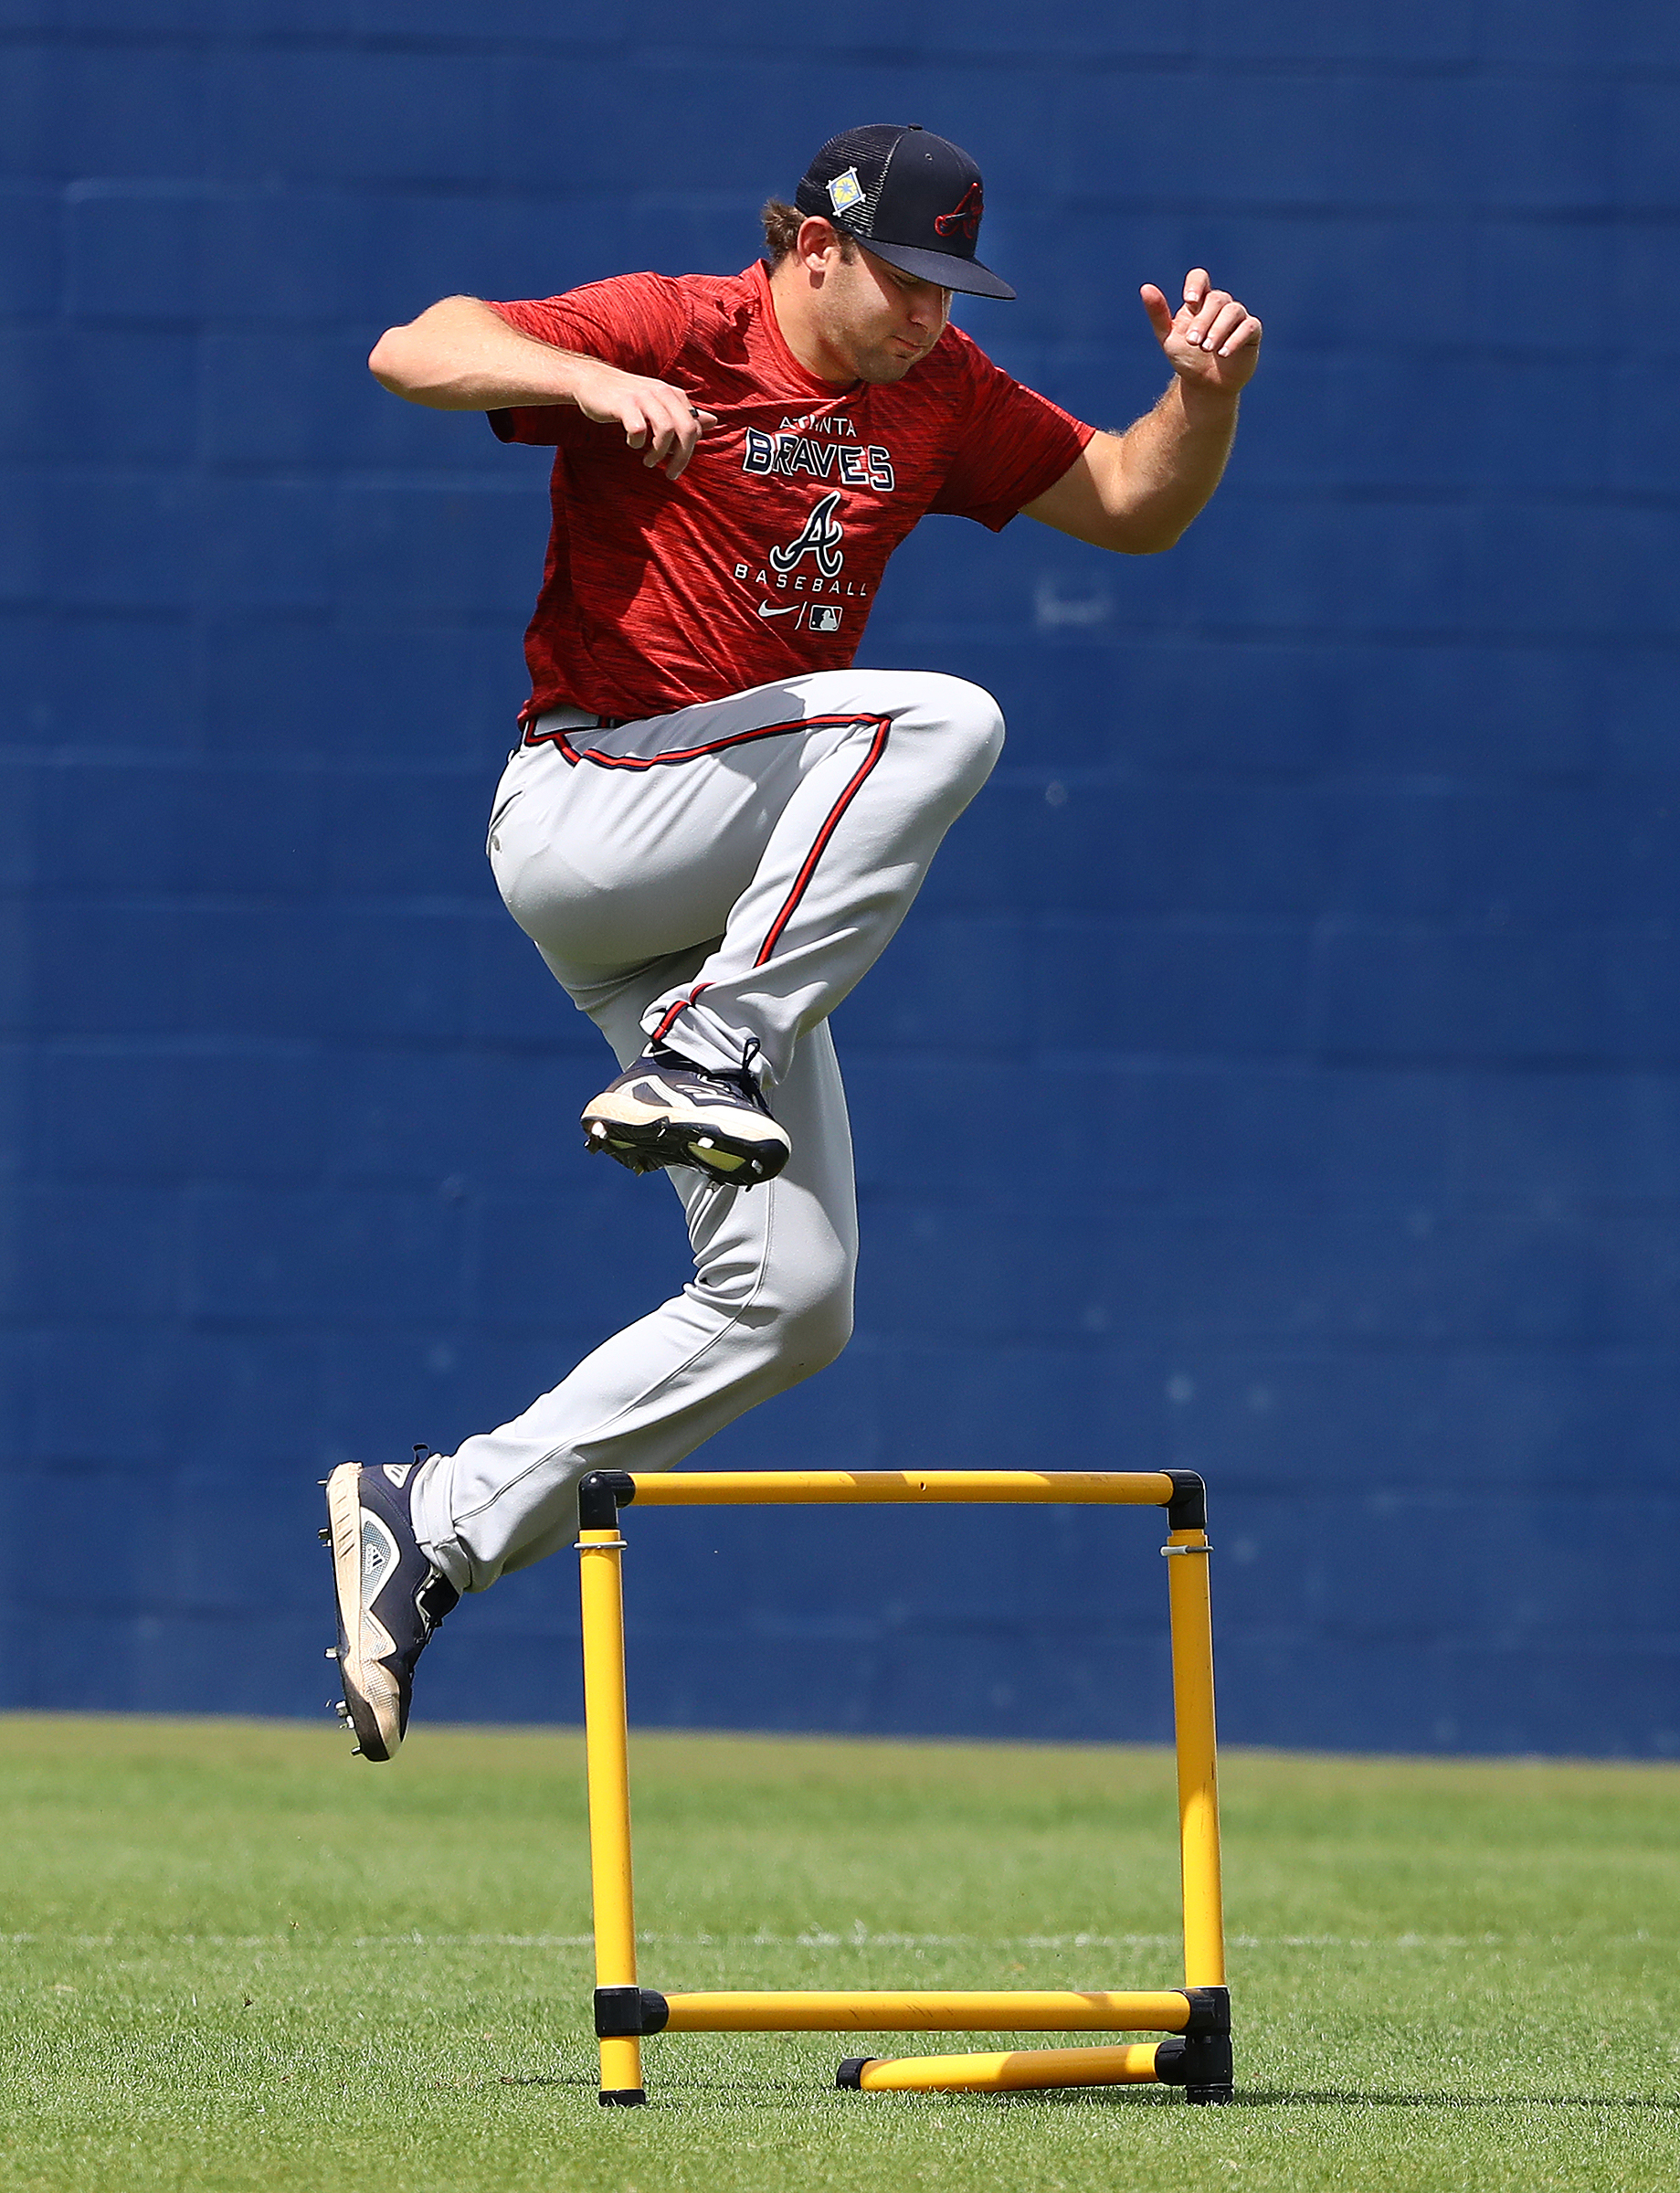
711 824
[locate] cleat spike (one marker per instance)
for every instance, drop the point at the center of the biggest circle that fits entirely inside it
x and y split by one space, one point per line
324 1535
332 1652
355 1750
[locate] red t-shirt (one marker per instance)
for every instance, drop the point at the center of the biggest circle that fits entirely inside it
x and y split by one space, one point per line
762 561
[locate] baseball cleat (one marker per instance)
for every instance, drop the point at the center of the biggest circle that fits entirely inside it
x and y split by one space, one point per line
665 1111
390 1599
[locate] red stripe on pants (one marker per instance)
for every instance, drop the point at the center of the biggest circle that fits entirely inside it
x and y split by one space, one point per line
877 747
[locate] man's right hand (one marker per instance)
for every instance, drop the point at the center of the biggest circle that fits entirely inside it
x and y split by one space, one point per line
656 417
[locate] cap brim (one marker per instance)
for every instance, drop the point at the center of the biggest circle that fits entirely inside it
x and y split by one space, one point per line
941 267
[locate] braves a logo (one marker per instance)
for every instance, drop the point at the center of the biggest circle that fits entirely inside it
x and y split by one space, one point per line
964 215
820 537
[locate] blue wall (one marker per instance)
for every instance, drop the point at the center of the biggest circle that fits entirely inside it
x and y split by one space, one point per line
1324 904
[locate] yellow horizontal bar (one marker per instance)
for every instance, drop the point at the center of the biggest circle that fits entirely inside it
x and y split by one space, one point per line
796 1487
929 2011
1132 2065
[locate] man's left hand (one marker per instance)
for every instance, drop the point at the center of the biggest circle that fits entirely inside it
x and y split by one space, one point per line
1211 342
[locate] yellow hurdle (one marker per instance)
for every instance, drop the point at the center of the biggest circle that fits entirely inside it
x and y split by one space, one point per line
608 1768
1199 1788
869 2010
1197 2016
1133 2065
805 1488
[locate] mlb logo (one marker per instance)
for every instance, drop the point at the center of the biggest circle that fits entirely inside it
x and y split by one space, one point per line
821 619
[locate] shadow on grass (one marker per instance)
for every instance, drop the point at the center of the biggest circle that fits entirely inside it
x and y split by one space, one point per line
1361 2098
1284 2097
704 2093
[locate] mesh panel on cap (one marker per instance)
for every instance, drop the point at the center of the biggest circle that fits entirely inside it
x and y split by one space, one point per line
866 147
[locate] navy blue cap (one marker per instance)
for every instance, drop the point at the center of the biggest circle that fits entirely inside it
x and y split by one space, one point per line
914 199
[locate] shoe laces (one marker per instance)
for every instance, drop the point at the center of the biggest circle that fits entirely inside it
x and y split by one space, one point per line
741 1078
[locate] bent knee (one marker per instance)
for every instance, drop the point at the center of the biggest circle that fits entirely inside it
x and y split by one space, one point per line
804 1331
966 719
787 1322
811 1339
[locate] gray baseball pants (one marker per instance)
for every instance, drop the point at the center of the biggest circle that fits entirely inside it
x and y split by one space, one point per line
719 877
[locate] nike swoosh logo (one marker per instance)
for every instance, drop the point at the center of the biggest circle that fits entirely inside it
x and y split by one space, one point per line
765 611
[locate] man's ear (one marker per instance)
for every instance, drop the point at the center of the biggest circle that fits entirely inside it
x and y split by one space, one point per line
816 239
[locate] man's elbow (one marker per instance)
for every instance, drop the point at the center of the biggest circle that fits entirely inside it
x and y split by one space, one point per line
1138 525
422 360
1133 537
391 362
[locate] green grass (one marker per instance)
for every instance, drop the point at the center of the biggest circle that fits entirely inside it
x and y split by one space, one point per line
238 1959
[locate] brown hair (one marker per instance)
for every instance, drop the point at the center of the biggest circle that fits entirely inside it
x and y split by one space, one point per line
782 224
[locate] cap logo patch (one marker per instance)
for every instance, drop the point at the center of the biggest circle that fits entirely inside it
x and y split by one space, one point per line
964 216
845 191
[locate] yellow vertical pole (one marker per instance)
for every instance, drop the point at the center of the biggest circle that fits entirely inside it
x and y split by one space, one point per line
1199 1794
608 1766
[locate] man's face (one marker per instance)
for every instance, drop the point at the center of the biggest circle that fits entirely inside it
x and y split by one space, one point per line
876 320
